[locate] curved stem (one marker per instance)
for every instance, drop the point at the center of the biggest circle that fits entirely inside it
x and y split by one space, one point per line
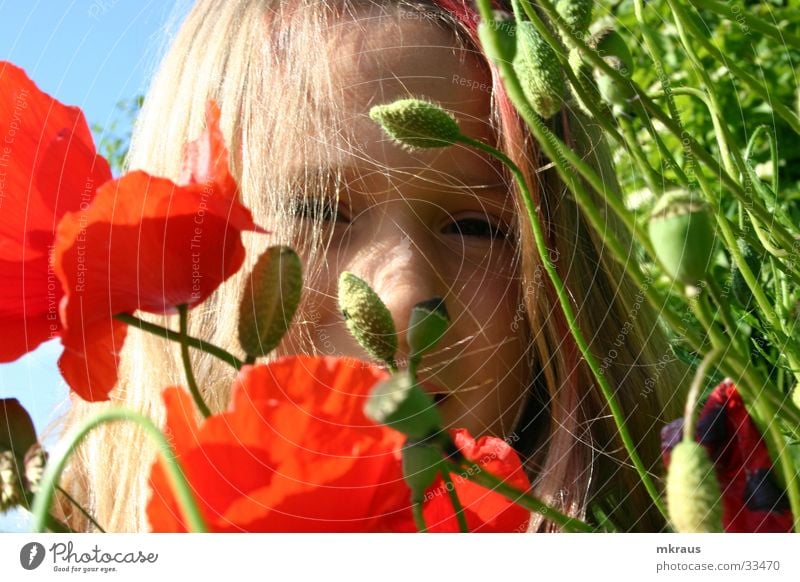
451 491
85 513
722 308
175 475
155 329
478 475
183 316
689 414
569 315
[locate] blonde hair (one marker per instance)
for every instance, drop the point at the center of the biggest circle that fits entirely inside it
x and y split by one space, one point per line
261 60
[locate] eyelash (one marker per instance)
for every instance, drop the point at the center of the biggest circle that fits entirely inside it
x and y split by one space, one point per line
469 226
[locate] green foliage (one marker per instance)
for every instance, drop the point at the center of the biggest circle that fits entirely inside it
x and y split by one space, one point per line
114 140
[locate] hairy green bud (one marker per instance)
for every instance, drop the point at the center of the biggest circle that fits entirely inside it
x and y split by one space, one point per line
416 124
367 318
539 71
271 296
693 494
577 14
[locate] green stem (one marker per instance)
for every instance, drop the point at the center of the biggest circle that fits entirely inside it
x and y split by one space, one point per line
419 517
682 19
696 149
727 318
85 513
183 316
690 413
773 153
476 474
57 526
754 22
451 491
654 182
788 344
175 475
733 369
652 48
199 344
516 94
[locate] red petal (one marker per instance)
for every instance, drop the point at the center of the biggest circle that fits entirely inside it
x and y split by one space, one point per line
485 510
91 357
48 166
273 463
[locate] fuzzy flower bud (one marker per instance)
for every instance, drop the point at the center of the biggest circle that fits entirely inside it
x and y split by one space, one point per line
539 71
270 299
693 494
416 124
367 318
576 13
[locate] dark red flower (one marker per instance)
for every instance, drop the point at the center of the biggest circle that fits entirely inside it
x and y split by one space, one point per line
295 453
752 499
48 167
149 244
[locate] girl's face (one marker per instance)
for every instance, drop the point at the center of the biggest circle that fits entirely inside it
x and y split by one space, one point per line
434 223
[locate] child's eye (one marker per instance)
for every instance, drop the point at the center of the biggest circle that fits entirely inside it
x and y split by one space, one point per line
474 227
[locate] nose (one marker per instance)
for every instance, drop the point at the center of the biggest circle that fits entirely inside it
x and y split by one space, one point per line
402 274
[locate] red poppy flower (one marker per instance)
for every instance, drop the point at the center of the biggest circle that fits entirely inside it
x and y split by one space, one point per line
48 167
485 510
295 453
145 243
752 499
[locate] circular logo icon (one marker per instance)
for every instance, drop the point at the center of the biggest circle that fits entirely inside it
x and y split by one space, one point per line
31 555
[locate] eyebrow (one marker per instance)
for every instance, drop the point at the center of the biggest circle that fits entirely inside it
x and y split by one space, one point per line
334 174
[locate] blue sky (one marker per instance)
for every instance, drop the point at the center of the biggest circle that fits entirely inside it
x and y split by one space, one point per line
89 53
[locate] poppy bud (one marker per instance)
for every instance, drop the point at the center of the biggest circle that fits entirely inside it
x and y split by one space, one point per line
400 403
693 494
414 123
421 465
539 71
682 235
739 286
576 13
271 296
426 326
35 461
367 318
11 494
612 48
498 38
